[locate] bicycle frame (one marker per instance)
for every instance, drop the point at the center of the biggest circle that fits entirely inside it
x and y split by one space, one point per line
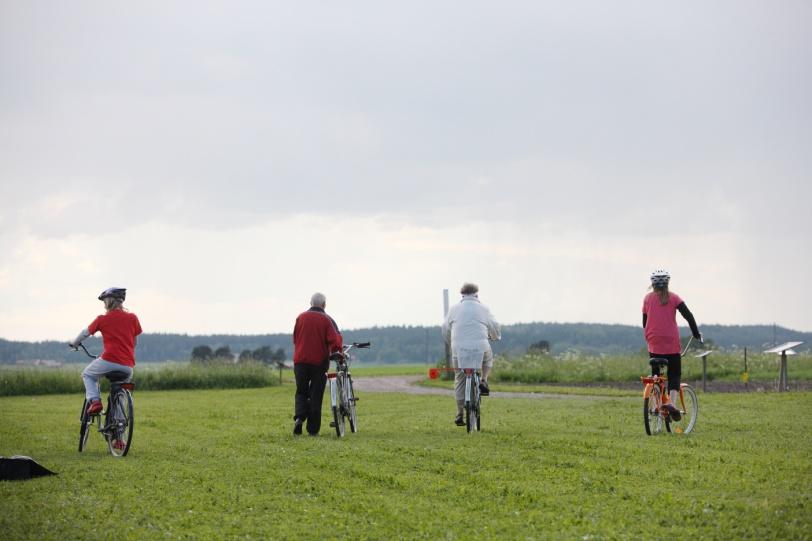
472 399
342 396
472 379
685 421
659 381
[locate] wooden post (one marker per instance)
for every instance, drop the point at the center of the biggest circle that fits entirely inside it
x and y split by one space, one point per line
704 356
783 384
747 376
704 373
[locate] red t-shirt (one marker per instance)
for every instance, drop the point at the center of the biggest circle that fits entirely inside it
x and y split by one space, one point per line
315 337
119 329
662 334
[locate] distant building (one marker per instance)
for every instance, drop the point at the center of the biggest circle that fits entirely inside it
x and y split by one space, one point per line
47 363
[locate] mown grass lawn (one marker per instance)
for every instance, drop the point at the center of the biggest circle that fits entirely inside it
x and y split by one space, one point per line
223 464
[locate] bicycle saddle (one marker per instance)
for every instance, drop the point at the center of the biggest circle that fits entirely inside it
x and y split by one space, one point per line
117 377
657 361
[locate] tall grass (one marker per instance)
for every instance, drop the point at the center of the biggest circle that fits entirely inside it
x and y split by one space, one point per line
39 381
618 368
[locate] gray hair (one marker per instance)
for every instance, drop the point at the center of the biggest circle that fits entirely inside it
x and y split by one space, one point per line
469 288
111 303
318 299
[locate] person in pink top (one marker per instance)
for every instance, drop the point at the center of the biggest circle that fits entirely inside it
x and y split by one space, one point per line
660 309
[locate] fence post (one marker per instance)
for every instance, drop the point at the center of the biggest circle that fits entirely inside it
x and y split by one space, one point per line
783 384
704 357
704 372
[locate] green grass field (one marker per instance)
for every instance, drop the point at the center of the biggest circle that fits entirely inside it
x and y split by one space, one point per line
223 464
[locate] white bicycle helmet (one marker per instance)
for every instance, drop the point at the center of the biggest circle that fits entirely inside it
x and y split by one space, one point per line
660 278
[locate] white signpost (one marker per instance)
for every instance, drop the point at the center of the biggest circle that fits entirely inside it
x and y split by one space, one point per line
445 313
704 357
784 349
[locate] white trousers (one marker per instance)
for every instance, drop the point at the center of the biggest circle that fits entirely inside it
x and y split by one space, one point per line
459 375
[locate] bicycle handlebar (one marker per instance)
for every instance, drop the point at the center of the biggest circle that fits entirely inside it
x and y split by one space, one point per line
344 354
691 339
356 345
83 348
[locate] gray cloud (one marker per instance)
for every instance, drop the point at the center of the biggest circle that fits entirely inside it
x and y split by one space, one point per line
594 117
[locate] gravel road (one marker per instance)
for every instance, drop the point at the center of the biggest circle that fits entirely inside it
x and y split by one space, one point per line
408 384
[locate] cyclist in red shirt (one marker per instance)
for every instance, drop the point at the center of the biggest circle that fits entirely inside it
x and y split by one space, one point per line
119 328
315 338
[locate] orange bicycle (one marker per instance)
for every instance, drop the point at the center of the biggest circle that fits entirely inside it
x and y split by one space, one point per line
655 388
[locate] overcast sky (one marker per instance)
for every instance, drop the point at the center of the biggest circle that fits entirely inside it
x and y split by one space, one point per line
223 161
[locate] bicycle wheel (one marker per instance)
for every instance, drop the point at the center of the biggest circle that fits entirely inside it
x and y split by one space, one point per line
471 406
119 423
478 409
351 406
336 393
84 427
689 409
652 419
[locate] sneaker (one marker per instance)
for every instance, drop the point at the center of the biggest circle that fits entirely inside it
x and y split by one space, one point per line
119 444
94 407
458 420
670 410
297 427
484 390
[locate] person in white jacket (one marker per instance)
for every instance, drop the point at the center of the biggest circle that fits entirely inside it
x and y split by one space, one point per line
469 328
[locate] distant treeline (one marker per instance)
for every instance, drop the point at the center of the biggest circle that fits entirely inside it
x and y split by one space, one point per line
398 344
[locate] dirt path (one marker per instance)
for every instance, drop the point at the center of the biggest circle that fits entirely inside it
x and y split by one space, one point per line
408 384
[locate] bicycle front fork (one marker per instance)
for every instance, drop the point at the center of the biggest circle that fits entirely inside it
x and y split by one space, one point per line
470 381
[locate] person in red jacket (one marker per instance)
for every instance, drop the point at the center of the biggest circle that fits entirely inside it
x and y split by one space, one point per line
119 328
315 338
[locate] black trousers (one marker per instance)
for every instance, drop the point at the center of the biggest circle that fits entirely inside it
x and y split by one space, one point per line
674 369
310 383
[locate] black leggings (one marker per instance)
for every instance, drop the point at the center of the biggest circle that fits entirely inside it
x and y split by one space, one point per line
674 368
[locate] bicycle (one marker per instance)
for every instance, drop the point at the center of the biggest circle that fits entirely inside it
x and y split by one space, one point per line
342 396
473 400
118 416
470 362
655 387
